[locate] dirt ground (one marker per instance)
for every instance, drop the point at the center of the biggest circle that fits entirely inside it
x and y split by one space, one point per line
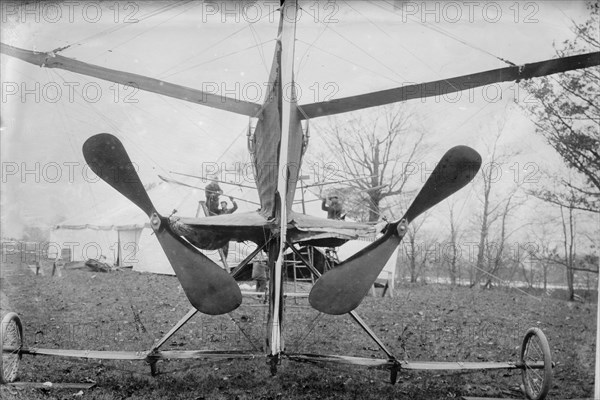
126 310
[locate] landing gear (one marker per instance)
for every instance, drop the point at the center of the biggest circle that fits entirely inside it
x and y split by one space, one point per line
154 367
394 373
11 343
535 352
273 361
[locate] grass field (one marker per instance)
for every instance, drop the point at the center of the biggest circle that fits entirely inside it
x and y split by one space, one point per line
127 311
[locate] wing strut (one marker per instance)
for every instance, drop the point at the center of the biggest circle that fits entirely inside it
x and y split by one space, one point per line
51 60
336 106
450 85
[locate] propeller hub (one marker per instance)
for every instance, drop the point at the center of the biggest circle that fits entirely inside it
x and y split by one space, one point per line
402 227
155 221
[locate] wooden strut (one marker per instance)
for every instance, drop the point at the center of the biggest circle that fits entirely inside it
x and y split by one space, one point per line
410 365
331 107
153 351
446 86
244 354
53 60
174 329
249 258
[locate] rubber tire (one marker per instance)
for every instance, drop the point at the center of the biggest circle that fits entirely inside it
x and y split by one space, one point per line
6 321
547 371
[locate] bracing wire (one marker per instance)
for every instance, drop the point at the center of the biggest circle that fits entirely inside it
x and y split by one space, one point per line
219 58
148 29
163 74
377 60
66 131
447 34
256 37
118 27
305 54
378 73
398 42
128 138
167 73
109 121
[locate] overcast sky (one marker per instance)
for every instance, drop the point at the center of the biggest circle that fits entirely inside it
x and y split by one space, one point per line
342 49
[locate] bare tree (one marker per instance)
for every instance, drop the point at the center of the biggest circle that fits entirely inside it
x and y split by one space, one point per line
489 254
380 148
496 254
568 207
566 111
452 252
417 251
568 227
542 251
525 255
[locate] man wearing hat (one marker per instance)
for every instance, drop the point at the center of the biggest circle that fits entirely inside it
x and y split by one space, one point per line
225 210
212 192
335 209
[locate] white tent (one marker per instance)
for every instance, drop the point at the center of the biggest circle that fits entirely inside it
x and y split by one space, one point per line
111 234
120 233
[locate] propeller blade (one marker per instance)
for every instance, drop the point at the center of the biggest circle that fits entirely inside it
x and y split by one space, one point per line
106 156
208 287
456 168
342 289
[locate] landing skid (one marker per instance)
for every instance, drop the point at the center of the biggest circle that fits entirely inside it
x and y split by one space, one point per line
535 361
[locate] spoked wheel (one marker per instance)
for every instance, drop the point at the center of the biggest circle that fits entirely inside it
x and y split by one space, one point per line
537 364
11 339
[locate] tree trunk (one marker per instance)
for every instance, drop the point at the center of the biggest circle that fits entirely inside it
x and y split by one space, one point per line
453 264
413 268
412 259
569 236
375 196
374 206
483 234
570 279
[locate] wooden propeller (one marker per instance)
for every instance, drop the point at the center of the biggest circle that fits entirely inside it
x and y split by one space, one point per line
209 288
342 289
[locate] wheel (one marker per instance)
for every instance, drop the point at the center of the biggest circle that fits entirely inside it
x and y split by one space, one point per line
536 362
11 342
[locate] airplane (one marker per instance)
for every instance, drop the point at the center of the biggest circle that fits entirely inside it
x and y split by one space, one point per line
279 140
